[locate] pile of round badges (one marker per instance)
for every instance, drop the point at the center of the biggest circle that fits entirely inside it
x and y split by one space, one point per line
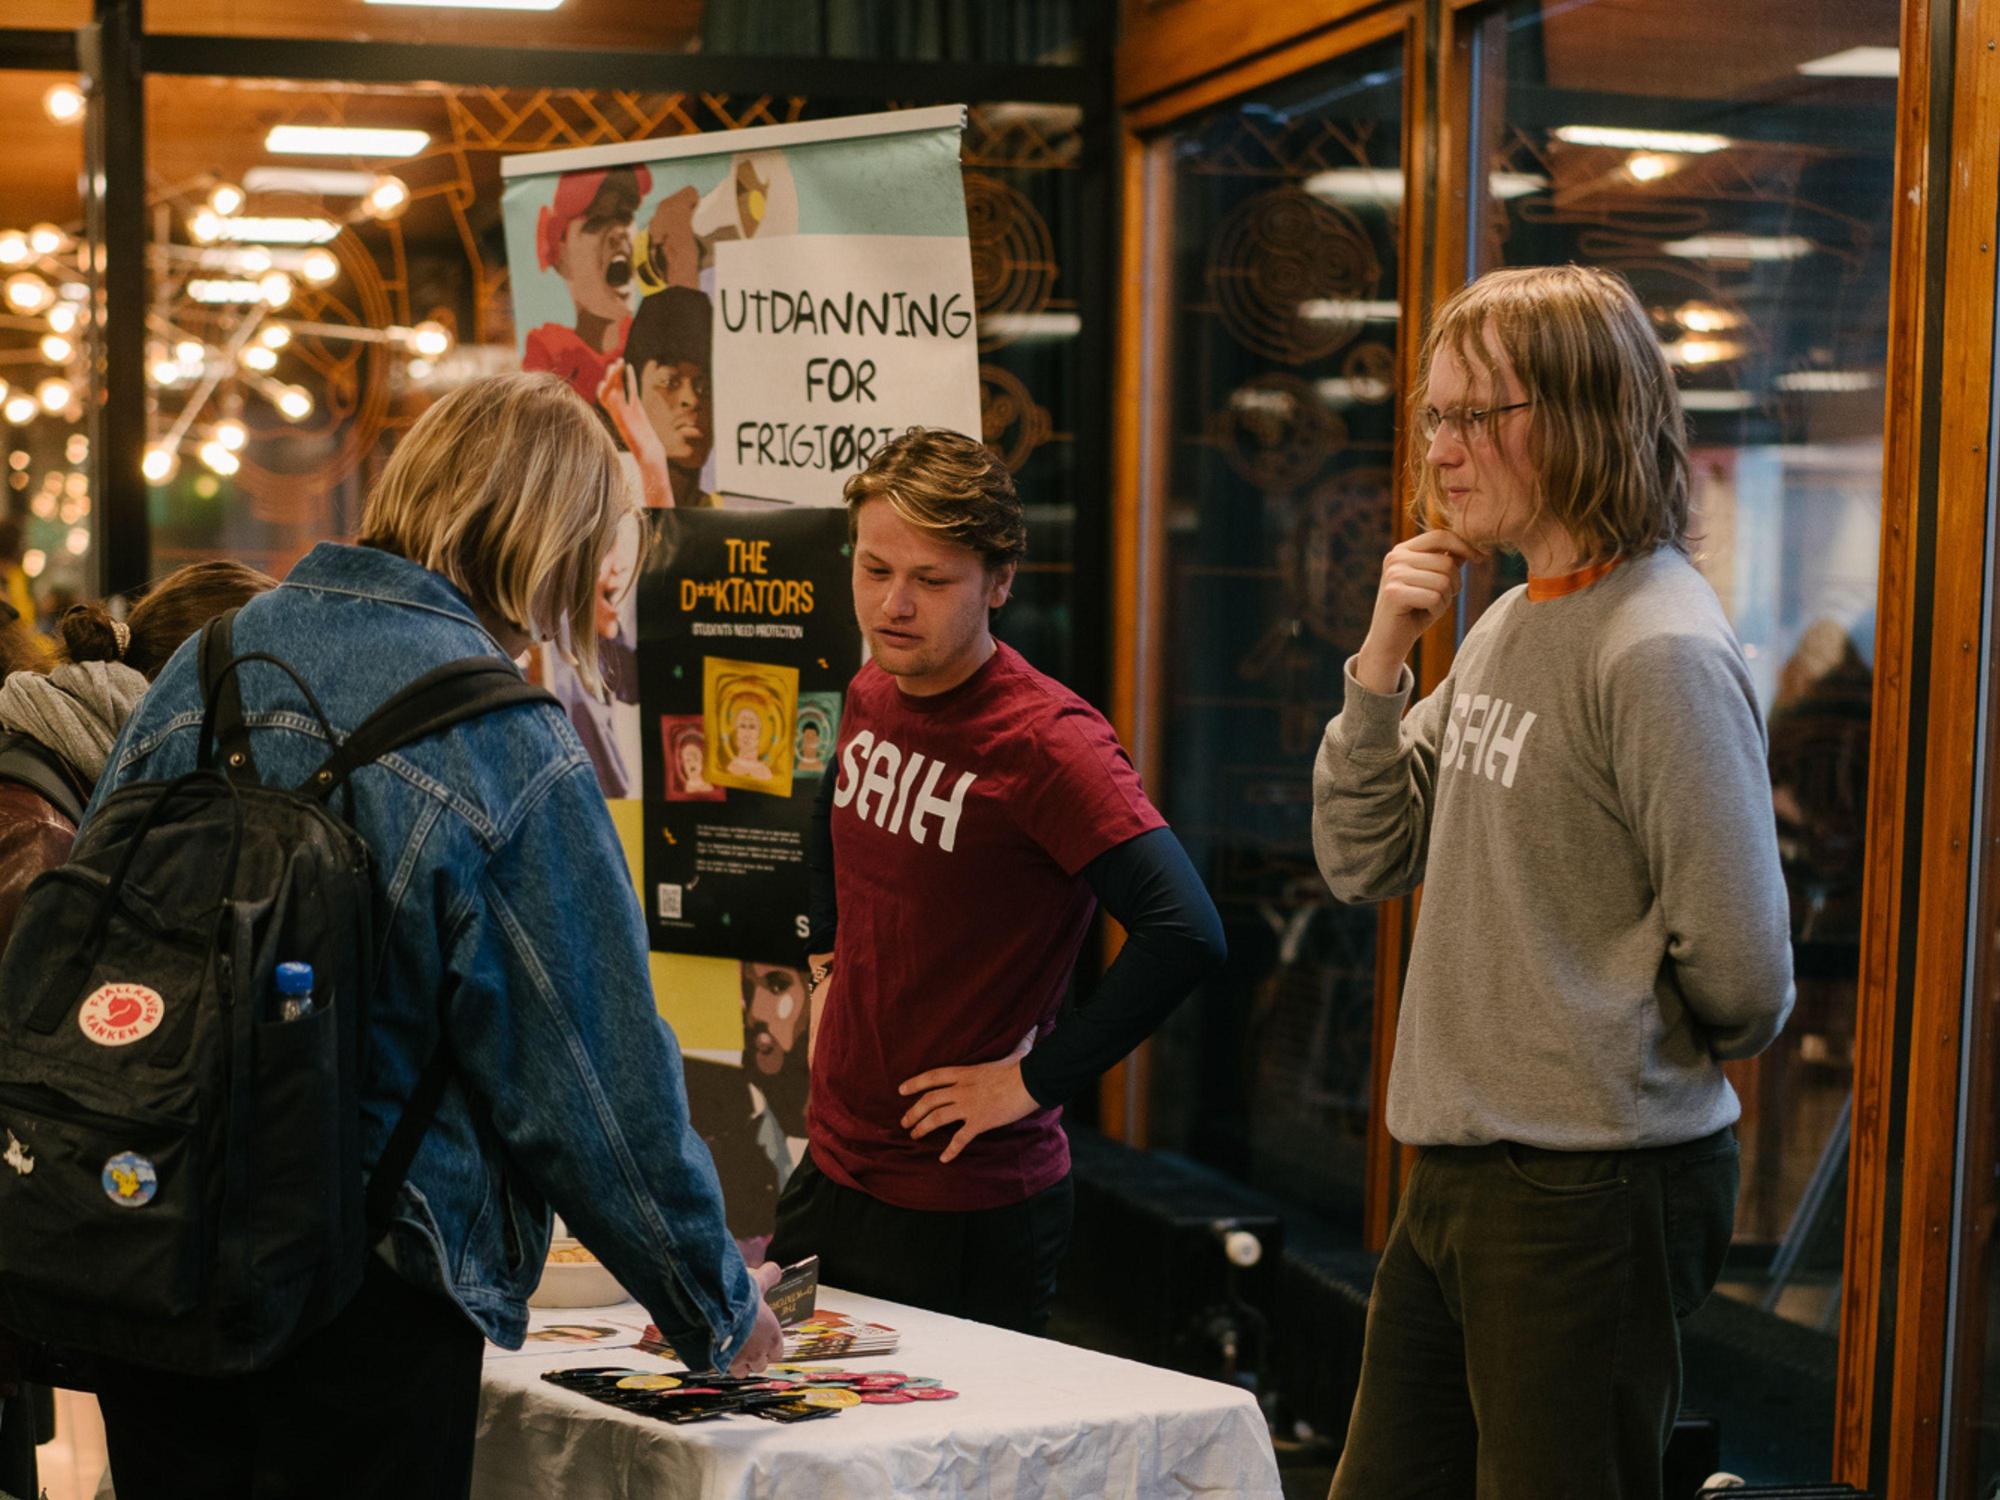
783 1393
843 1388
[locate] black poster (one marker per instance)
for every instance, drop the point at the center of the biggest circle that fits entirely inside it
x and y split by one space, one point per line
747 641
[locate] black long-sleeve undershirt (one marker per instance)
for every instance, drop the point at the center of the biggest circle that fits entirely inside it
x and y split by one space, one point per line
1173 940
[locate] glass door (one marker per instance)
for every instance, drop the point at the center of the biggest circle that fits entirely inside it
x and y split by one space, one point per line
1277 322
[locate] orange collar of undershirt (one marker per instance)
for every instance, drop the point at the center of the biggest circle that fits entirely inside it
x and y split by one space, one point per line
1569 583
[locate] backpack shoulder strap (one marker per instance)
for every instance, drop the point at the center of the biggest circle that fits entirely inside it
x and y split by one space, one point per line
386 1181
31 763
450 694
232 736
446 695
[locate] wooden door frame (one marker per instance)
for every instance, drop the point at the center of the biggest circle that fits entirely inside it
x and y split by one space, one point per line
1929 660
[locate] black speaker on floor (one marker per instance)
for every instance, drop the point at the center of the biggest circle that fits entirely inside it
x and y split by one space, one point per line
1183 1264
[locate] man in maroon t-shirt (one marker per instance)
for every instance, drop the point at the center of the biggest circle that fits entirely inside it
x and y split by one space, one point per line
975 814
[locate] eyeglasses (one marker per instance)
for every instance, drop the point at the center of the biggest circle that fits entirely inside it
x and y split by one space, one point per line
1464 420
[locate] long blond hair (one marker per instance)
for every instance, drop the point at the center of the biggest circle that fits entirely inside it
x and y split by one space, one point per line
512 490
1606 433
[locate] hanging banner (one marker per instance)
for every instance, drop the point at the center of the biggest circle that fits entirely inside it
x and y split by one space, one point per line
747 641
753 311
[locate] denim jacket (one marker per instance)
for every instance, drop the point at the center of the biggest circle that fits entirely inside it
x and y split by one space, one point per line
513 925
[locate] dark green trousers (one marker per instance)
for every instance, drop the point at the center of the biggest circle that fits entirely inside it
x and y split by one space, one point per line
1523 1334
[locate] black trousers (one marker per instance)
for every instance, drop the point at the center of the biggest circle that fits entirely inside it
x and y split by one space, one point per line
17 1446
993 1265
1523 1335
380 1404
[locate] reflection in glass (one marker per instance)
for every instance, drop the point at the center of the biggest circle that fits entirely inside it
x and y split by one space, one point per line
1283 327
1739 174
47 522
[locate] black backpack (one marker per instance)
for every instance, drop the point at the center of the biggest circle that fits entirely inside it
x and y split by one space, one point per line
180 1177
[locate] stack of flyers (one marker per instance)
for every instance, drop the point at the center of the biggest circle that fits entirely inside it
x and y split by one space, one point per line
825 1335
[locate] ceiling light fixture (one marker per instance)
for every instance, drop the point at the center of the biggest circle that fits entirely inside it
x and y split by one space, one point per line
431 340
344 140
63 103
1829 381
1363 185
330 182
1621 139
1717 400
226 198
319 267
258 231
1740 247
1699 317
28 293
1338 309
1856 62
1702 351
215 290
386 197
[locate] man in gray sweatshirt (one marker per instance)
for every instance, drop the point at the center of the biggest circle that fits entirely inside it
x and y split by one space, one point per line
1603 921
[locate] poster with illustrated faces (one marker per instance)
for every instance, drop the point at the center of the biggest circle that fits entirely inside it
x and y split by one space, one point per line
750 314
747 641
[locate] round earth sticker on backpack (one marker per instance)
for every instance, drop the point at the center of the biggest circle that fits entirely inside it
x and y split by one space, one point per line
118 1014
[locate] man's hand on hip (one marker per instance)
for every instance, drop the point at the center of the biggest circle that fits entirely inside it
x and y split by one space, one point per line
976 1098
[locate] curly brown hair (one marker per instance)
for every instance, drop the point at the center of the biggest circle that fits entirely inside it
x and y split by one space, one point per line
949 485
1606 432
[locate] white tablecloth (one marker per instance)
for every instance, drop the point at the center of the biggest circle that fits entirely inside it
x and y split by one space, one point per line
1034 1418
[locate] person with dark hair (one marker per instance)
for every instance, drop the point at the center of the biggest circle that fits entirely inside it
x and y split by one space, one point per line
14 577
977 814
659 396
56 730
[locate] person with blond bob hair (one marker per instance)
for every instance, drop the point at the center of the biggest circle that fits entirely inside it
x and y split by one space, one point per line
1604 920
510 942
975 815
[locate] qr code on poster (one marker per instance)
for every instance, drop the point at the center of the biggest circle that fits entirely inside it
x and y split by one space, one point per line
670 903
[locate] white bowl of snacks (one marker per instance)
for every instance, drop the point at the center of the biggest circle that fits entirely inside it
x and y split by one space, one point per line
573 1277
